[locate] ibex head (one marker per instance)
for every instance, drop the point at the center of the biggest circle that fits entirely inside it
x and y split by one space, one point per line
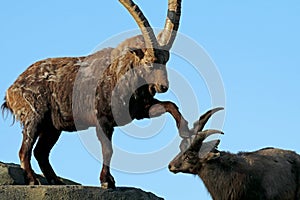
150 61
191 160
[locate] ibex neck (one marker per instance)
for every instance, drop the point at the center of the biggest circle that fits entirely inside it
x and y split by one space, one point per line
221 177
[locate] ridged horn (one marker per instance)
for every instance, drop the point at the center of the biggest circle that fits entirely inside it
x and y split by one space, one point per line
141 20
201 136
168 35
199 125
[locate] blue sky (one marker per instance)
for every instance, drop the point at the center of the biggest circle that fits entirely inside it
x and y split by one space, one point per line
254 45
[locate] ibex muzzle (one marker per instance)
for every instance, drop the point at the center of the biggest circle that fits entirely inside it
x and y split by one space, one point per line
154 70
160 71
158 80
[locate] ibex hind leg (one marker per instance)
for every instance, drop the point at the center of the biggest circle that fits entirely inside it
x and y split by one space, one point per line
47 139
30 135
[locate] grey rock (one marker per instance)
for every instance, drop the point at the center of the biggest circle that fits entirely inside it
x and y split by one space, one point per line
73 193
13 174
12 186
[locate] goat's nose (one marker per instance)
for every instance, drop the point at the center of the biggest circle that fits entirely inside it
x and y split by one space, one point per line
163 88
172 168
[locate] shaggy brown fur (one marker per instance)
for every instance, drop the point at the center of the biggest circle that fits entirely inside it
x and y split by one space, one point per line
106 89
266 174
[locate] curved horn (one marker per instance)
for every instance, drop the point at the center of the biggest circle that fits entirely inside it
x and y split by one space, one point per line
141 20
167 36
199 125
201 136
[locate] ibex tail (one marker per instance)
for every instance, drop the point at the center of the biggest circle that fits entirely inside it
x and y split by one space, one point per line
5 108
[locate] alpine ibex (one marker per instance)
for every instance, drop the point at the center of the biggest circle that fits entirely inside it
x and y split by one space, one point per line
266 174
106 89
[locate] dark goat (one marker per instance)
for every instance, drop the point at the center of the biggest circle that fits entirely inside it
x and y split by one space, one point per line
106 89
266 174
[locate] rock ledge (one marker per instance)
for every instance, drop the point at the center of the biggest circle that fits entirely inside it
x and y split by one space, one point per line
12 187
73 192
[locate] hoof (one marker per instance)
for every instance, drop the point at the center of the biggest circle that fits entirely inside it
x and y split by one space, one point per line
34 181
104 186
107 180
185 134
107 185
56 182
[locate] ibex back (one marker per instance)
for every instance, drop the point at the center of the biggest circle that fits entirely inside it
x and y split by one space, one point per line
106 89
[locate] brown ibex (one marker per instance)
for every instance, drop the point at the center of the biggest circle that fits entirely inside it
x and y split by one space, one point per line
106 89
266 174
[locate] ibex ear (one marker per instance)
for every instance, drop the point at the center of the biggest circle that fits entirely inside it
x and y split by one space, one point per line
208 147
138 52
212 156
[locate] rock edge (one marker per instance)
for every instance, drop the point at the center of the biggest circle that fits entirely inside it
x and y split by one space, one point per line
12 186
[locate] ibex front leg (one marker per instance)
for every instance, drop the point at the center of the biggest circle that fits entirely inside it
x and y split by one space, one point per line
104 134
160 107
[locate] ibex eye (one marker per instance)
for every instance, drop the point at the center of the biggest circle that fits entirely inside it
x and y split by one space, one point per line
186 158
189 155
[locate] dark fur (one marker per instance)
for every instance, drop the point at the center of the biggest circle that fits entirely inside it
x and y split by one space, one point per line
266 174
6 108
